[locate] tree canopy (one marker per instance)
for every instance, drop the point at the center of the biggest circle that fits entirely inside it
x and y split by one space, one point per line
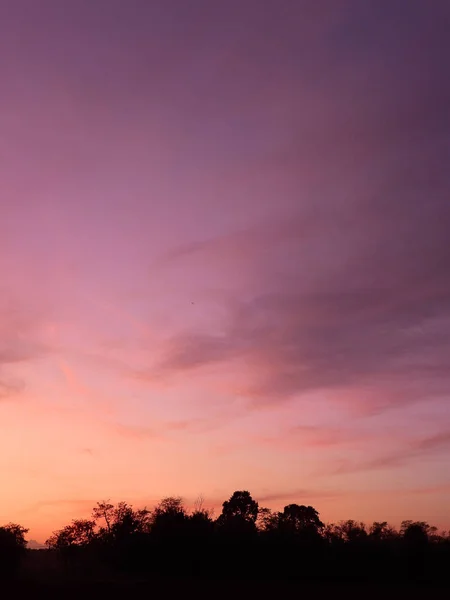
294 541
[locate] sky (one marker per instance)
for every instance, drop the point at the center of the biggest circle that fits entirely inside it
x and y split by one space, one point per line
224 256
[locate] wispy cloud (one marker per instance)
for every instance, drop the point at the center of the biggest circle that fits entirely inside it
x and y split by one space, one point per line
20 342
166 430
350 291
72 380
299 494
431 489
69 504
339 330
321 436
136 432
9 388
416 448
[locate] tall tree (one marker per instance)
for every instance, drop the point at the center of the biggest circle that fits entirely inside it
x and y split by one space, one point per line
300 519
241 505
104 511
239 513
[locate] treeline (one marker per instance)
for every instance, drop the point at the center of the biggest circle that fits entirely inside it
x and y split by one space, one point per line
244 541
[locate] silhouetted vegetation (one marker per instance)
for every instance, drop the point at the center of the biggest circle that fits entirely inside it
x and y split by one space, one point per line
12 548
245 541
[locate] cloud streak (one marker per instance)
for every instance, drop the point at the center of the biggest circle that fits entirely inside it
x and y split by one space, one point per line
353 292
414 450
380 315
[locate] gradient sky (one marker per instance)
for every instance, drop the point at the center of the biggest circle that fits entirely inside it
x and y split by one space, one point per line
225 255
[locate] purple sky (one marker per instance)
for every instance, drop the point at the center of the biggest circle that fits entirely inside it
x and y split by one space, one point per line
225 255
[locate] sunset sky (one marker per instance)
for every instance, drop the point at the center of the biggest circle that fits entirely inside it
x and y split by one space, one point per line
225 256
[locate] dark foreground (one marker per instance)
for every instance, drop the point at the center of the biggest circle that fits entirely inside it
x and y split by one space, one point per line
203 588
220 589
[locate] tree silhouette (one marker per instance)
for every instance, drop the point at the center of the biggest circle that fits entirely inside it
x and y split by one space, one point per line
415 533
350 531
267 521
300 520
242 542
416 540
240 505
200 523
104 510
382 531
15 533
80 532
127 521
12 547
169 517
239 515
